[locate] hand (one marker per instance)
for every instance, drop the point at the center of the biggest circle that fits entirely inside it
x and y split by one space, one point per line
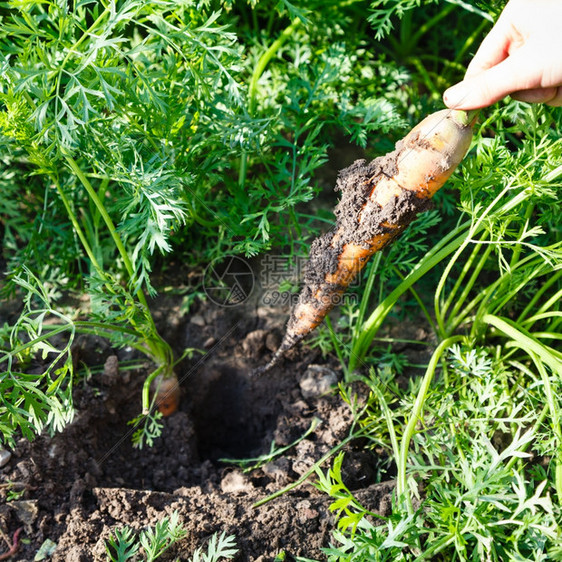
521 56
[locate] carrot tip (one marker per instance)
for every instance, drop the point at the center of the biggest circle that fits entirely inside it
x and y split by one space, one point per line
264 368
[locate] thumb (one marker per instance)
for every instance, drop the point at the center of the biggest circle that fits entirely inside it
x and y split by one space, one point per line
489 86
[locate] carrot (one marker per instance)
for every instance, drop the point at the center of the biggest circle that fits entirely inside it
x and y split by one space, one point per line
166 394
379 199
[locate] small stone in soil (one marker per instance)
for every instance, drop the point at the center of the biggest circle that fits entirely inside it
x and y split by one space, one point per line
254 343
198 320
273 341
317 380
24 469
110 374
305 457
209 342
278 470
234 483
26 511
305 511
5 457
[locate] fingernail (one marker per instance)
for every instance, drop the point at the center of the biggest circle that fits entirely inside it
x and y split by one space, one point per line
454 96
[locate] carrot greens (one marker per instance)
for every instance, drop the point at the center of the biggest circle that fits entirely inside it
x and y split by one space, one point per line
139 135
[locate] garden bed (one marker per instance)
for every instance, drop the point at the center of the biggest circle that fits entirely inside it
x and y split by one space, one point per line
77 487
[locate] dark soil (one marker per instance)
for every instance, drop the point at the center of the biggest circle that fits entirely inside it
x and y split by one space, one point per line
80 485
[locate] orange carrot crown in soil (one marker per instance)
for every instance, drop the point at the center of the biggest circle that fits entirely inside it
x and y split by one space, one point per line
379 199
166 394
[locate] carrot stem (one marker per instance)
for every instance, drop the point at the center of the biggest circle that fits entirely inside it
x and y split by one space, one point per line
418 300
465 118
337 347
160 351
146 389
253 89
415 417
430 260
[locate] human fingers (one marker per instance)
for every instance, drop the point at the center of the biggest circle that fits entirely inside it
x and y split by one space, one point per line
556 100
536 95
494 48
515 73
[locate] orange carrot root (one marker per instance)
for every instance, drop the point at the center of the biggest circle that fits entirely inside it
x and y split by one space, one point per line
379 199
167 394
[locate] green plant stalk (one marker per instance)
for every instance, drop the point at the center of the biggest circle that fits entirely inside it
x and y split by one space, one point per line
441 311
106 332
80 233
423 29
555 423
556 298
368 288
460 278
464 316
484 297
517 250
388 418
159 349
555 355
538 294
470 40
365 298
504 280
475 228
274 451
418 300
146 388
532 262
92 327
253 88
337 347
526 341
429 83
7 355
548 336
405 33
437 546
370 327
83 327
108 222
77 227
462 274
447 64
415 416
542 315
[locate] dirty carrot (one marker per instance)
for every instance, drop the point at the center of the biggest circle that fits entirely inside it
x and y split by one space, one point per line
168 396
378 200
166 391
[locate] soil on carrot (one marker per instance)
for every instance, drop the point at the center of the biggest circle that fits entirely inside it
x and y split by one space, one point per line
77 487
358 220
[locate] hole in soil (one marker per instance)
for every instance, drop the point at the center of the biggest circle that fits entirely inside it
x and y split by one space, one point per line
233 414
